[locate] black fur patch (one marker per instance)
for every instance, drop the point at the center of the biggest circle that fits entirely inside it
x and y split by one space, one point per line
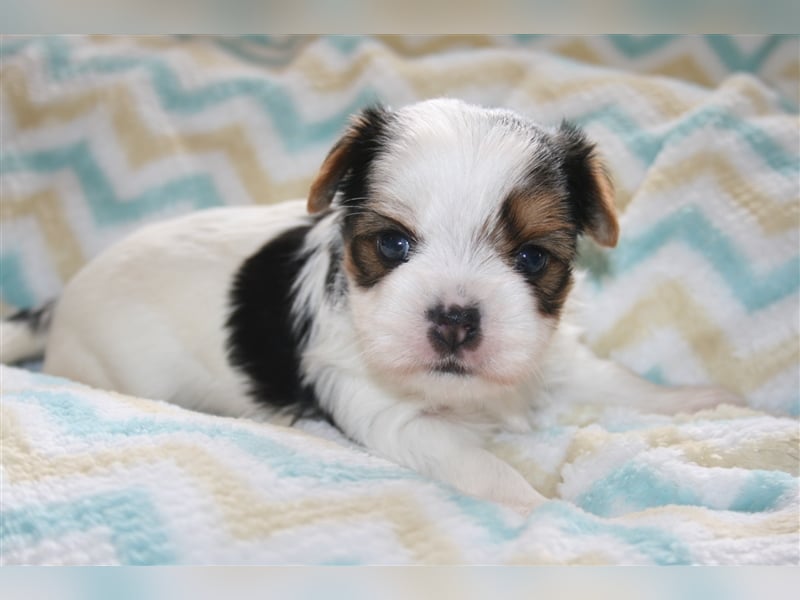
582 186
368 142
335 281
37 320
263 342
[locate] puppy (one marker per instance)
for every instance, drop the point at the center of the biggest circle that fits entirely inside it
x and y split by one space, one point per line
415 299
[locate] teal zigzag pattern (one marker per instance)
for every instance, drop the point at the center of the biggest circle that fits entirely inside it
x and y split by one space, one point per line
640 46
736 59
137 531
646 488
724 47
281 50
124 511
79 419
106 206
198 190
661 547
646 145
657 543
294 131
296 134
689 226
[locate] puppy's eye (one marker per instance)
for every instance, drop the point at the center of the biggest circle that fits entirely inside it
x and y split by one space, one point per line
393 246
531 259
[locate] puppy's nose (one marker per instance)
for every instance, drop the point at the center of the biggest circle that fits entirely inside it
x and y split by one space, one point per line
454 328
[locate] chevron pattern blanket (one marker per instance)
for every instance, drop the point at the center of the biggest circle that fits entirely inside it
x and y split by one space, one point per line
103 134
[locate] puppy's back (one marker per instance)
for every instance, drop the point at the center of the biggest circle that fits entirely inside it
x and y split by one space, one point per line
147 316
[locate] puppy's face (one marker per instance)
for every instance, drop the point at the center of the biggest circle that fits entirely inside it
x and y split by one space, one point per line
459 227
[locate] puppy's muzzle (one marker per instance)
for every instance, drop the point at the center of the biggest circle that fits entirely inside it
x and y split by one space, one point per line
454 328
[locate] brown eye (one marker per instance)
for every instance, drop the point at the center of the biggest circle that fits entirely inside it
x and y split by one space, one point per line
532 260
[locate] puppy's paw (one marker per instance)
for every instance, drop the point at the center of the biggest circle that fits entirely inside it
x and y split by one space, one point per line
691 399
508 487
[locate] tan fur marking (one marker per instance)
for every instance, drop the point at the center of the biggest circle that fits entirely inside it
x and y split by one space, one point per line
540 218
362 260
333 168
605 227
324 186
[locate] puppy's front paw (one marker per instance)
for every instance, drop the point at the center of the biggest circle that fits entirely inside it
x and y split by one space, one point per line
505 485
695 398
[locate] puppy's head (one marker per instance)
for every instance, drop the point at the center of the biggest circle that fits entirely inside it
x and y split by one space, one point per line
459 226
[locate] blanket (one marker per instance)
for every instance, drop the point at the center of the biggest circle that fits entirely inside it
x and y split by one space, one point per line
104 134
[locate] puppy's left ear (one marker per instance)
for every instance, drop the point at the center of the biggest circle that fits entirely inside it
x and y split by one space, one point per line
590 187
354 150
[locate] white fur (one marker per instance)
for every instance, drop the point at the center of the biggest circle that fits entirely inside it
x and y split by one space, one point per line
148 316
18 342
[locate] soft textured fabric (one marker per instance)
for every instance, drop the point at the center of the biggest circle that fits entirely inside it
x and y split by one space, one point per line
95 477
101 135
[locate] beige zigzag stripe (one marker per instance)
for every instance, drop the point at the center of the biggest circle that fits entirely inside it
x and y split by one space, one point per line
682 67
246 513
773 216
432 79
766 452
773 451
685 66
669 304
142 145
417 46
200 48
45 207
429 79
542 557
769 452
584 49
249 517
758 525
792 70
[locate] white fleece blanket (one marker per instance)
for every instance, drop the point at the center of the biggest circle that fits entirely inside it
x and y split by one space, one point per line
101 135
95 477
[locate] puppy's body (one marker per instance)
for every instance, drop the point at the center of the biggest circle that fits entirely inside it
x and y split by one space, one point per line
419 306
148 317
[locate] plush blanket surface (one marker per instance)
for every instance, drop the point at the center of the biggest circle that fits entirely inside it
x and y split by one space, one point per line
102 134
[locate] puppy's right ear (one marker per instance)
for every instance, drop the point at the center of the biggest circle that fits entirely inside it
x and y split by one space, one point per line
355 150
